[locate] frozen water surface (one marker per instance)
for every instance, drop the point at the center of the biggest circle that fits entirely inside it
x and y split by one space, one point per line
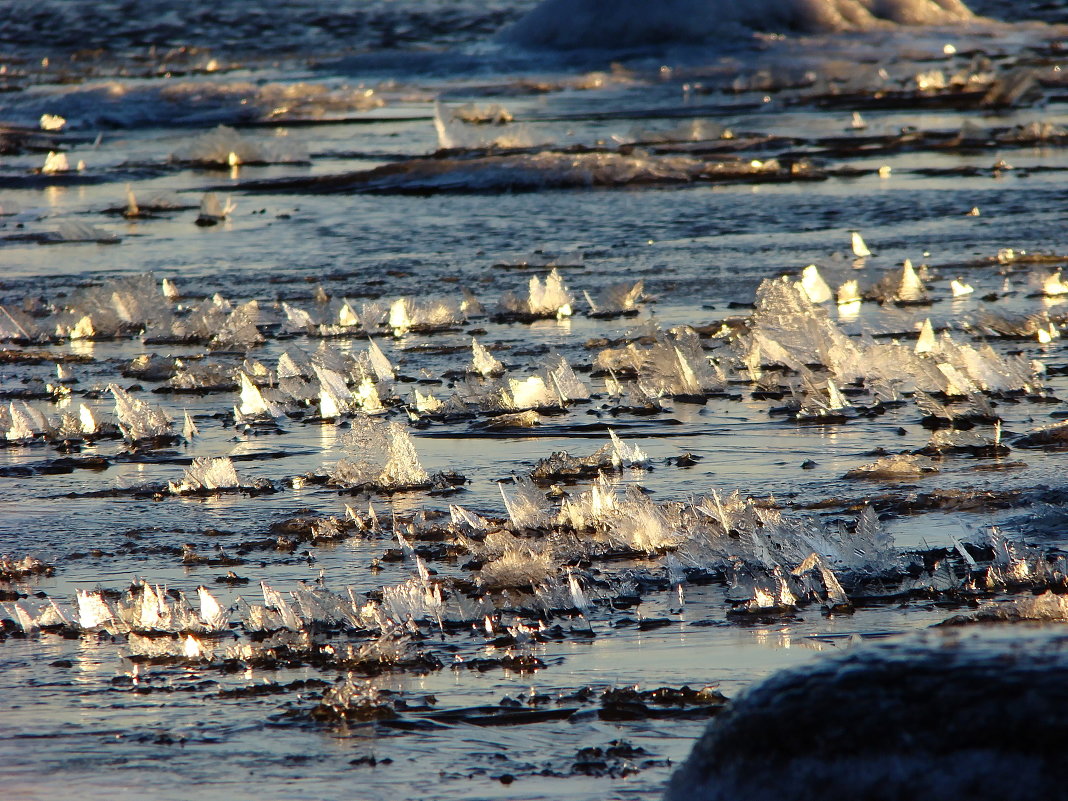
383 401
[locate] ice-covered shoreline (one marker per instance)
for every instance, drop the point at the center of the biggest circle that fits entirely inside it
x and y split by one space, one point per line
597 24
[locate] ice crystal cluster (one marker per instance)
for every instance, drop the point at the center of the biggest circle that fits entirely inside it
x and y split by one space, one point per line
546 298
382 455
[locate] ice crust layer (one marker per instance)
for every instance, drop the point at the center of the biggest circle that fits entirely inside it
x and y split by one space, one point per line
601 24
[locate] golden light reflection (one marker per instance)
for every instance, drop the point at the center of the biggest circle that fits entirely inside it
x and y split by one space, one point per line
773 639
54 195
328 436
82 347
849 311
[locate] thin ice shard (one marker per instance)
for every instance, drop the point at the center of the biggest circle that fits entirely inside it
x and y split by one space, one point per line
960 288
616 299
192 648
910 288
893 467
408 314
273 599
519 564
926 342
335 398
347 317
641 525
367 398
212 212
624 455
849 293
132 209
545 299
578 595
860 249
426 404
833 595
462 517
189 428
561 377
211 613
83 329
550 297
253 404
1053 285
380 363
55 163
226 147
87 419
530 393
51 122
814 285
26 422
93 610
297 320
482 361
15 326
399 319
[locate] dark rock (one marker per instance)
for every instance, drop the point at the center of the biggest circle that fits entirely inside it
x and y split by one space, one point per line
942 715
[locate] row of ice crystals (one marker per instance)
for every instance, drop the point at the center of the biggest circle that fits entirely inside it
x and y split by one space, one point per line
148 608
787 328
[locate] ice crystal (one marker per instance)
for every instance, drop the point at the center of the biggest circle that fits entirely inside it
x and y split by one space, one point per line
525 503
139 420
624 455
814 286
213 211
548 298
206 474
482 361
408 314
25 422
253 402
225 147
616 299
890 467
384 457
530 393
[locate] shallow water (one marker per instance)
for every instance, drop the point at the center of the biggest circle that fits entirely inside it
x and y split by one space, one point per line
614 161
